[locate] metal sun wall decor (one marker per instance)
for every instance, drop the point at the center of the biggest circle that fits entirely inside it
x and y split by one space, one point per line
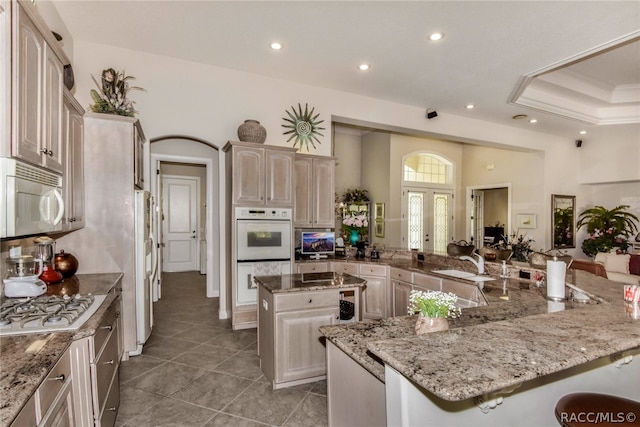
303 126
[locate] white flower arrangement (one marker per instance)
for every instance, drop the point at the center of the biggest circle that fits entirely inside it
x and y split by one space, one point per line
433 304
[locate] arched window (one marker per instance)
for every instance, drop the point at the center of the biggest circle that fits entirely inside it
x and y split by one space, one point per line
427 168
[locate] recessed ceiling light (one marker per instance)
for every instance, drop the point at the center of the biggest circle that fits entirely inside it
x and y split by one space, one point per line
519 117
364 67
583 132
434 37
470 106
276 46
533 121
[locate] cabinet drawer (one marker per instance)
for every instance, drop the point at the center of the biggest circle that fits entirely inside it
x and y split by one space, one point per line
373 270
111 405
305 300
105 366
345 267
54 382
404 275
313 267
27 415
107 325
427 282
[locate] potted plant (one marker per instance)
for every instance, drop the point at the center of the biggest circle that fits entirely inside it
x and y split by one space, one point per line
433 308
607 228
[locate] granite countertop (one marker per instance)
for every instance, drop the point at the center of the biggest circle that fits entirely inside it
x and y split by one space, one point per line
509 341
25 360
309 282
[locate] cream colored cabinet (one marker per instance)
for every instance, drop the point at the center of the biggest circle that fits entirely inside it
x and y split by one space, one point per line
73 178
260 176
38 92
374 296
55 397
401 289
424 282
345 267
290 345
312 267
315 192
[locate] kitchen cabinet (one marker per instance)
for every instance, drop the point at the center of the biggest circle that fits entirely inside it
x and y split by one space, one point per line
315 197
73 178
401 289
37 84
374 295
312 267
424 282
291 347
260 176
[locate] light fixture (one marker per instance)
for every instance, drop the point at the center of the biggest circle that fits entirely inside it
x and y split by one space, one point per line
364 67
583 132
431 113
533 121
470 106
276 46
519 117
434 37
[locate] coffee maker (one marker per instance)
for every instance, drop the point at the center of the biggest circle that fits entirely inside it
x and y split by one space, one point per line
360 249
44 253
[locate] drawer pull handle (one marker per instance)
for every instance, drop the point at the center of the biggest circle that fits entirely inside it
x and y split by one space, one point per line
310 300
110 362
60 378
108 327
112 409
117 314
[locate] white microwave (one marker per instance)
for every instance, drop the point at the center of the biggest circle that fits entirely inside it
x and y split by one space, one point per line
31 199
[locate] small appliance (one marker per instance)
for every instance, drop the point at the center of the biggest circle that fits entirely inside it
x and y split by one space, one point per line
45 251
23 278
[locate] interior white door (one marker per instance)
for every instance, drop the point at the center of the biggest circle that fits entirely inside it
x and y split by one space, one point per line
158 216
180 223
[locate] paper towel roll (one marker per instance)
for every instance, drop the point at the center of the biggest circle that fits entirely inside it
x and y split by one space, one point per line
555 279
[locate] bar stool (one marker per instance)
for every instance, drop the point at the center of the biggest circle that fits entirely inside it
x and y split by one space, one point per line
603 410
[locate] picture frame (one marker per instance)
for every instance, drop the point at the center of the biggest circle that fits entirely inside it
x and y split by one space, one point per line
379 230
563 221
379 210
526 221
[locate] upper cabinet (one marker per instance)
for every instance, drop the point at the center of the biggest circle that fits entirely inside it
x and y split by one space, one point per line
260 175
73 178
315 192
37 81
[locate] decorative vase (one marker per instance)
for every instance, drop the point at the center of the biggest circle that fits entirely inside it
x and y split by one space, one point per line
425 325
252 131
354 237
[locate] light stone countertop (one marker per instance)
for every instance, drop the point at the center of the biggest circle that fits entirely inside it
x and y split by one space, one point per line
309 282
499 345
25 360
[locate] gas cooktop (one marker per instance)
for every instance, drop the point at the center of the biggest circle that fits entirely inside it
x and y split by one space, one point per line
43 314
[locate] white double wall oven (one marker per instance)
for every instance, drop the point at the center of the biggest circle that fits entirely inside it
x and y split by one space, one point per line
264 246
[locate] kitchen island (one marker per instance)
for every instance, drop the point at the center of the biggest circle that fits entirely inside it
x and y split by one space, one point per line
292 307
518 354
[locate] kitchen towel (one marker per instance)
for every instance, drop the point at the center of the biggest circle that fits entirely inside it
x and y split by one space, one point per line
555 279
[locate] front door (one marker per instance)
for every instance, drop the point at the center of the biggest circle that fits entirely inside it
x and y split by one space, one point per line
429 219
180 223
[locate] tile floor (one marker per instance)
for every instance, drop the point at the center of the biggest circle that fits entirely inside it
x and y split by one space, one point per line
196 371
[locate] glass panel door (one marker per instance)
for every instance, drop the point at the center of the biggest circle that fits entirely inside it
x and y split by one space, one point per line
429 216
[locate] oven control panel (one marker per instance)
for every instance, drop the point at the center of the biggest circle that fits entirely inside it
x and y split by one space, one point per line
264 213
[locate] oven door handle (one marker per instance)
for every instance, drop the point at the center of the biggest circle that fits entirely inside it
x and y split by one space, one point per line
262 260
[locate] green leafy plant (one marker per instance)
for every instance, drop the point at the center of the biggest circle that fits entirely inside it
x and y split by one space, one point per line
433 304
607 228
519 244
355 195
112 95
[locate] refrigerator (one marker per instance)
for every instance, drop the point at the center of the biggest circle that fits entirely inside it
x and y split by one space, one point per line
145 265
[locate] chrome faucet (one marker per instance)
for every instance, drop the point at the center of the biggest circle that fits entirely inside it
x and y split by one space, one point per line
479 264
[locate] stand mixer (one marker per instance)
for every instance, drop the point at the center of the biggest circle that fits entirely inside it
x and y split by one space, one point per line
45 253
23 279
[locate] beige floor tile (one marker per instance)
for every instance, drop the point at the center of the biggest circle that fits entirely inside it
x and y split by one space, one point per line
166 379
212 390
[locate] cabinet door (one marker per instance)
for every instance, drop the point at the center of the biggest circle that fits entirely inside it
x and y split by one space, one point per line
29 52
73 178
248 173
138 157
279 178
300 352
324 214
53 141
61 414
374 297
304 190
401 292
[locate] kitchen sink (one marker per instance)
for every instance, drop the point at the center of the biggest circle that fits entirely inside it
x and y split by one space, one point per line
459 274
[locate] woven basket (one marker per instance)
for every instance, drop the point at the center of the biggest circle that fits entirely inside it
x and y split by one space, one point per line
252 131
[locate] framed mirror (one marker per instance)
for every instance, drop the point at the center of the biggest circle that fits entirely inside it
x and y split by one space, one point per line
563 221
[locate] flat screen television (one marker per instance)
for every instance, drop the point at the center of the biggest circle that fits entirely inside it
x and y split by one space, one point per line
318 244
